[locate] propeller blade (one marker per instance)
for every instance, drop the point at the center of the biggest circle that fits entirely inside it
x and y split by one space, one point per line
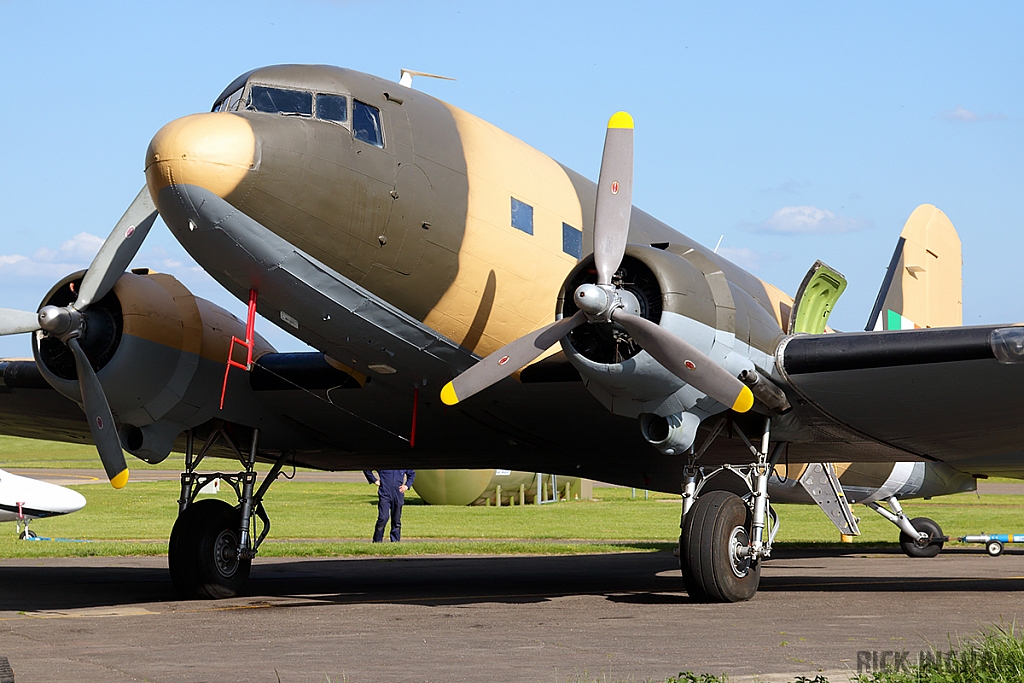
614 197
13 321
686 362
508 359
118 251
101 420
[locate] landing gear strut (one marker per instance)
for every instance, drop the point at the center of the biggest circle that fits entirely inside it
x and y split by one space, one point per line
212 547
25 535
725 536
919 537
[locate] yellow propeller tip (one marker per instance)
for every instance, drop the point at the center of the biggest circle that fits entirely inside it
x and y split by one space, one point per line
119 481
448 396
620 119
744 402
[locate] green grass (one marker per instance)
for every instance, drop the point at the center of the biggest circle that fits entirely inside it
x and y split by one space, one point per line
18 452
331 519
335 519
327 519
994 656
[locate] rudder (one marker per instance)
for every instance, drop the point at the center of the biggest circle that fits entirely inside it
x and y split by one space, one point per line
923 286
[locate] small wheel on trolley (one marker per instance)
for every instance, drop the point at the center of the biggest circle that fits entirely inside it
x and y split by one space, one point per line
994 548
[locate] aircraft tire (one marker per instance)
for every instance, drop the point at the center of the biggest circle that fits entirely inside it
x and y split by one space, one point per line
196 555
6 672
718 521
912 548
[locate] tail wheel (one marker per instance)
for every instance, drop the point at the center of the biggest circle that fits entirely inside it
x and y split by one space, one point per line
202 554
929 547
715 532
994 548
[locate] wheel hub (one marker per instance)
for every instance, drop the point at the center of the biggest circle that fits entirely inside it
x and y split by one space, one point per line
225 553
739 552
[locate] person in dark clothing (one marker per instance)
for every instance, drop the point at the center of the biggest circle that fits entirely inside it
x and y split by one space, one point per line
391 488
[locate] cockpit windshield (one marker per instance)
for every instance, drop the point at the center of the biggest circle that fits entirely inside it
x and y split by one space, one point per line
280 101
231 102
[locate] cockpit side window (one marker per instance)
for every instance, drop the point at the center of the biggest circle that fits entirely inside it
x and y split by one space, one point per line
231 102
280 101
366 123
332 108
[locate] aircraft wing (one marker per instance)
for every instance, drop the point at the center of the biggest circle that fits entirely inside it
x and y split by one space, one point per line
943 394
31 408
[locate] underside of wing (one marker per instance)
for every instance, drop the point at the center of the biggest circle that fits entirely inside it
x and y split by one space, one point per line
29 407
947 394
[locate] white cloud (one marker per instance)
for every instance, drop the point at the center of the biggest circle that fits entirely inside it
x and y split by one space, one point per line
79 249
807 220
52 264
966 115
744 257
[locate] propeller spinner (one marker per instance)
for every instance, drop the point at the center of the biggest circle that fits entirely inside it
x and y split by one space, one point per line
605 302
67 323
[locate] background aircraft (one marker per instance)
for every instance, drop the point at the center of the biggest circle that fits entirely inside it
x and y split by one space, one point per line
405 238
23 499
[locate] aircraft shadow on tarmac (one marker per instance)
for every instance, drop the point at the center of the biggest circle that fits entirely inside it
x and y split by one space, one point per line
640 578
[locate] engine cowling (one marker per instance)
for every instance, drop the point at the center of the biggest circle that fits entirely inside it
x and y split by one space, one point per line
690 296
159 352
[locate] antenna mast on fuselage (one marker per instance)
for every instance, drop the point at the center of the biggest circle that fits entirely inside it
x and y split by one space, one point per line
407 75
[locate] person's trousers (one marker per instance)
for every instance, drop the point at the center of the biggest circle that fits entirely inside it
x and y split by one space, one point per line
389 507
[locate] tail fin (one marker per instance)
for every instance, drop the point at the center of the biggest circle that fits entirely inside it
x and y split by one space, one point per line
923 286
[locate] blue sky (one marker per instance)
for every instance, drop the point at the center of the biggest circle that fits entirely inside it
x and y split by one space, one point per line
794 131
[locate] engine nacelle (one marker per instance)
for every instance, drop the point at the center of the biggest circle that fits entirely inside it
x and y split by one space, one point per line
689 295
159 353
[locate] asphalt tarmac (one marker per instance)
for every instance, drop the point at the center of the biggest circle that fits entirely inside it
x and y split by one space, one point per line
553 619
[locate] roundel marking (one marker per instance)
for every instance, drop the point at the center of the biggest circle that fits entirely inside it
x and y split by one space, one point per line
689 365
503 360
615 187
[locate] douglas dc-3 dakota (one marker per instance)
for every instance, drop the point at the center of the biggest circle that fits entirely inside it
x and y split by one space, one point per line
475 304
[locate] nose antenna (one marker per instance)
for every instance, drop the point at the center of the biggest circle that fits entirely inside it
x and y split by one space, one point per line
407 75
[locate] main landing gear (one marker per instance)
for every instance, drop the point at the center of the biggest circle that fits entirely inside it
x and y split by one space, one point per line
211 547
726 536
919 537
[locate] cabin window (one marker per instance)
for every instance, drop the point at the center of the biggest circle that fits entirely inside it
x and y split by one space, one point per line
572 240
280 101
522 216
332 108
231 102
366 123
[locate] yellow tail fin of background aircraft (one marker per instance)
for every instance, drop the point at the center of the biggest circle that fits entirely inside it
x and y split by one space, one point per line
923 286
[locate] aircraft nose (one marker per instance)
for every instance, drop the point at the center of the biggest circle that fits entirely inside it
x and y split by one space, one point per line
69 501
214 151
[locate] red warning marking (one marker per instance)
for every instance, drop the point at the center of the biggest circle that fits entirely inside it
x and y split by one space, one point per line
615 187
503 360
689 365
